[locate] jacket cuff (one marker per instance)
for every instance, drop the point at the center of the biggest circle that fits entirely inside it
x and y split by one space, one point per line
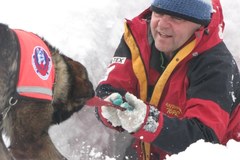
151 127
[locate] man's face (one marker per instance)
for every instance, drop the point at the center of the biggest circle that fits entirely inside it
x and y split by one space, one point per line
170 33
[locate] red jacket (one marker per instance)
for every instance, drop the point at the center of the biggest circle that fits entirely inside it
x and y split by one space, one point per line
197 92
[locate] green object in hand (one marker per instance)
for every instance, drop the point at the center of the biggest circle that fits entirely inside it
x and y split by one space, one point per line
117 100
127 106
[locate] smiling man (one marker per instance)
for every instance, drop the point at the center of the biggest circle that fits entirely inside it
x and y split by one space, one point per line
170 32
176 79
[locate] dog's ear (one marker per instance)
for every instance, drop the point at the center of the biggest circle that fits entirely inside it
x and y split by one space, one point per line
4 34
3 27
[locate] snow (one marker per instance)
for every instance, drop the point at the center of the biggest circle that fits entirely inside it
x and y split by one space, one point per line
89 31
202 150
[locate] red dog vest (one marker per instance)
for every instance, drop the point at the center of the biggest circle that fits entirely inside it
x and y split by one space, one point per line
36 73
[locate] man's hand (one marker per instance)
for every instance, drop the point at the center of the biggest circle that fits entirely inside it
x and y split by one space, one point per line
136 115
110 113
132 118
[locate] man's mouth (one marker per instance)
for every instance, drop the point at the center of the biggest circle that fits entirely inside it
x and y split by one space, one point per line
164 35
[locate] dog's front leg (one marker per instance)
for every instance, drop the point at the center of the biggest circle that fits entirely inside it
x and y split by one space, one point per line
43 149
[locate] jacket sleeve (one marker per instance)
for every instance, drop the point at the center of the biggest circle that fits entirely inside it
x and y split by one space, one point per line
119 76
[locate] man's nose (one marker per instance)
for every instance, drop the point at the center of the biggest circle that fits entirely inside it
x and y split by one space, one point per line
164 21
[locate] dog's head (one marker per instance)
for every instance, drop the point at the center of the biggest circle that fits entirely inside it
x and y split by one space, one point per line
73 87
81 88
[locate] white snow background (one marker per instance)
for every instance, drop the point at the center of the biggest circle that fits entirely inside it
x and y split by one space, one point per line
89 32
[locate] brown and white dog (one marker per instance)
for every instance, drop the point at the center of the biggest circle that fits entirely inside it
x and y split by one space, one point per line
24 118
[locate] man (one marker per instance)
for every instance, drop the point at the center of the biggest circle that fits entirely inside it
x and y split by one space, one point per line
175 77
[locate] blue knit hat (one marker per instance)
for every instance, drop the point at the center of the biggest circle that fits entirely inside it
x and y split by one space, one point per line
198 11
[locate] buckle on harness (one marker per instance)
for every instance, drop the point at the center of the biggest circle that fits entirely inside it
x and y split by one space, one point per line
11 102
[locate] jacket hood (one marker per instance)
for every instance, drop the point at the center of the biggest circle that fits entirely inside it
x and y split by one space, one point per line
208 37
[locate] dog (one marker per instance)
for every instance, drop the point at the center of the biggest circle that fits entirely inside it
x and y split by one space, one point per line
26 119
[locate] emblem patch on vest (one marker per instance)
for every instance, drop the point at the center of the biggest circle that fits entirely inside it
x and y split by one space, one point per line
42 63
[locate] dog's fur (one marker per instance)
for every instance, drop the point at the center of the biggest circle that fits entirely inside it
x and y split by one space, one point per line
28 121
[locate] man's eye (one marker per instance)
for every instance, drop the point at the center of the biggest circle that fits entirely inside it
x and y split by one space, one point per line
177 19
158 14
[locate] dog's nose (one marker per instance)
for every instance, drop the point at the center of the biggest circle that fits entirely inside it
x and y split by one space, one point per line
91 90
93 93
